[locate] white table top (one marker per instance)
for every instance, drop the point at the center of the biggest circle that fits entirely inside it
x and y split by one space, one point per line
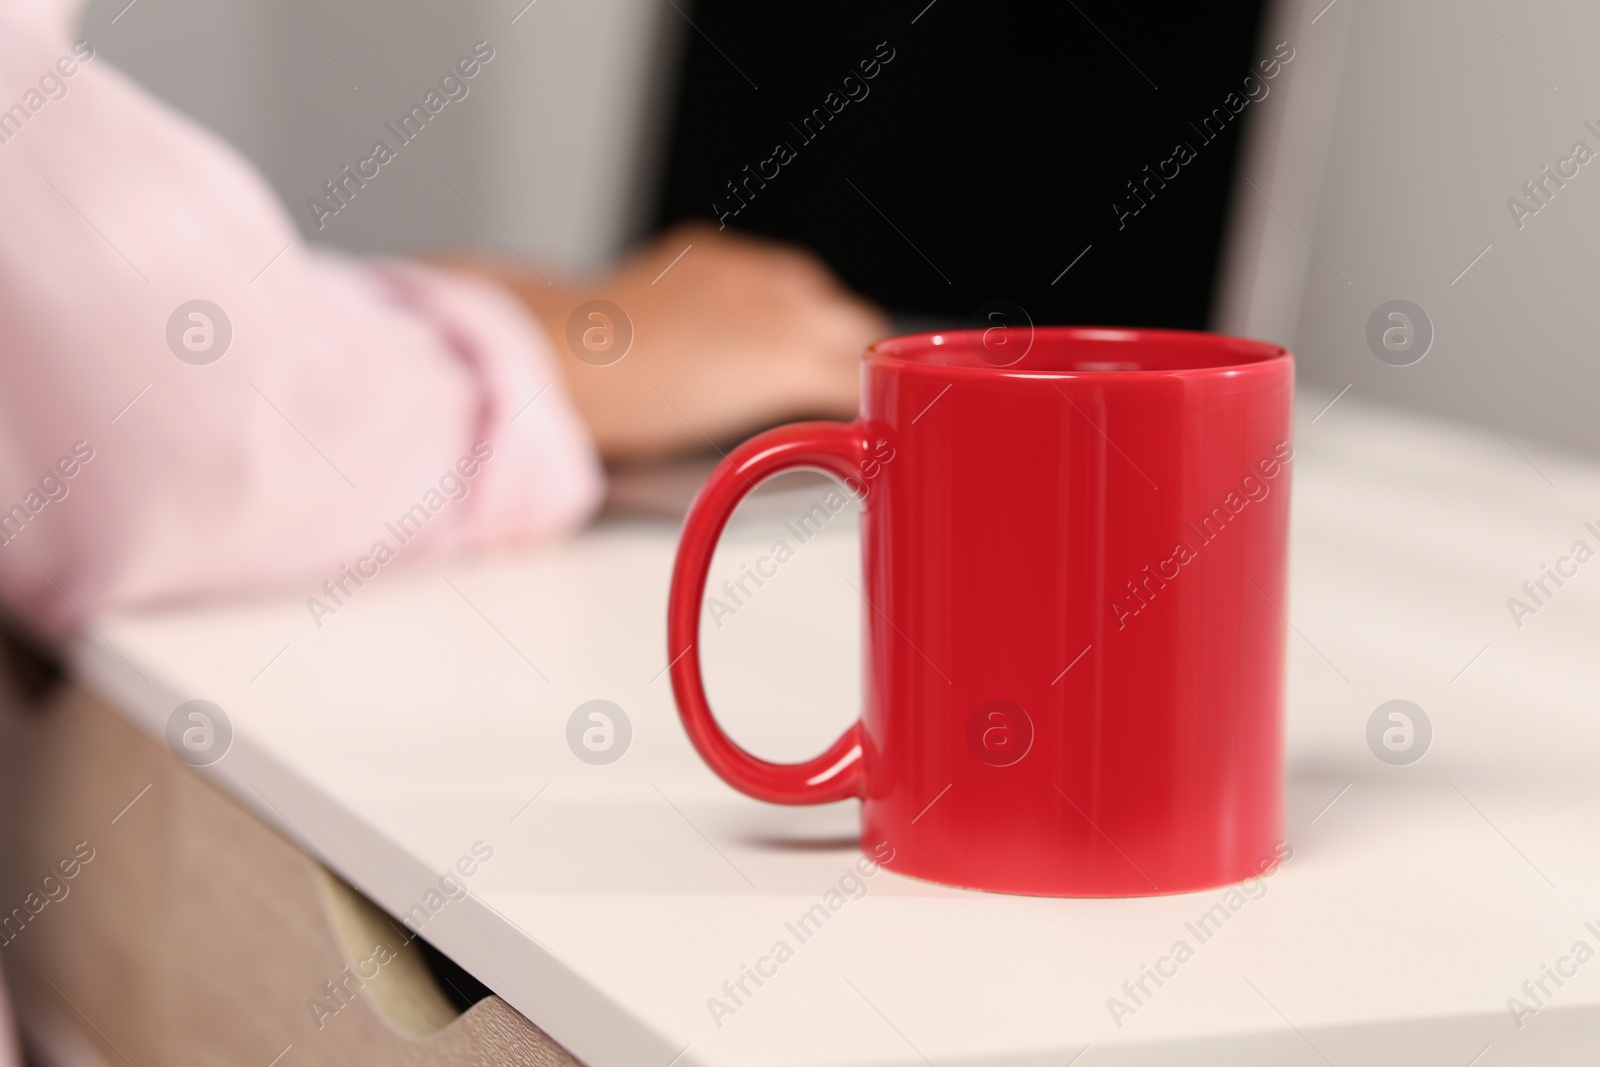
428 713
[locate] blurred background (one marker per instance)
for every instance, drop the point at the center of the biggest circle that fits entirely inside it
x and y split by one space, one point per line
990 159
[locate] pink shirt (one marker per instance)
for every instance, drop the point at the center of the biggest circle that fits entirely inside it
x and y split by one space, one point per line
355 404
136 467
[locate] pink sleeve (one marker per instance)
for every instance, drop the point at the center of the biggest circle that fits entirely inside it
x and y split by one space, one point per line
360 414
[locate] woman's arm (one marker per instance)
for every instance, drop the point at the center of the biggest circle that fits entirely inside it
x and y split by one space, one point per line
141 460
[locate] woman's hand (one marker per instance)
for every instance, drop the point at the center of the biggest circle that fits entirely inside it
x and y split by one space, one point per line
730 334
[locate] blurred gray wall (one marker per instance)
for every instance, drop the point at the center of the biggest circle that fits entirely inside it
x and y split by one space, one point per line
551 149
1444 109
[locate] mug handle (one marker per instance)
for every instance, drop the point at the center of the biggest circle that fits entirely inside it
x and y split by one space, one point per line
837 448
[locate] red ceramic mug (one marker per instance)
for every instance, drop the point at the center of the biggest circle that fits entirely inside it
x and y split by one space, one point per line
1074 574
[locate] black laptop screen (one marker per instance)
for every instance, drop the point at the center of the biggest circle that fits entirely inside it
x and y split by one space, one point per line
1073 158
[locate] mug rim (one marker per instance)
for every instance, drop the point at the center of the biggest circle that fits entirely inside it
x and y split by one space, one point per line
900 353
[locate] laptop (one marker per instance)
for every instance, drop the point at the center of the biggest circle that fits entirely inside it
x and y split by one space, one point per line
1033 163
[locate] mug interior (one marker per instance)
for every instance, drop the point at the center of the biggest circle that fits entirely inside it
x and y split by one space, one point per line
1074 350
